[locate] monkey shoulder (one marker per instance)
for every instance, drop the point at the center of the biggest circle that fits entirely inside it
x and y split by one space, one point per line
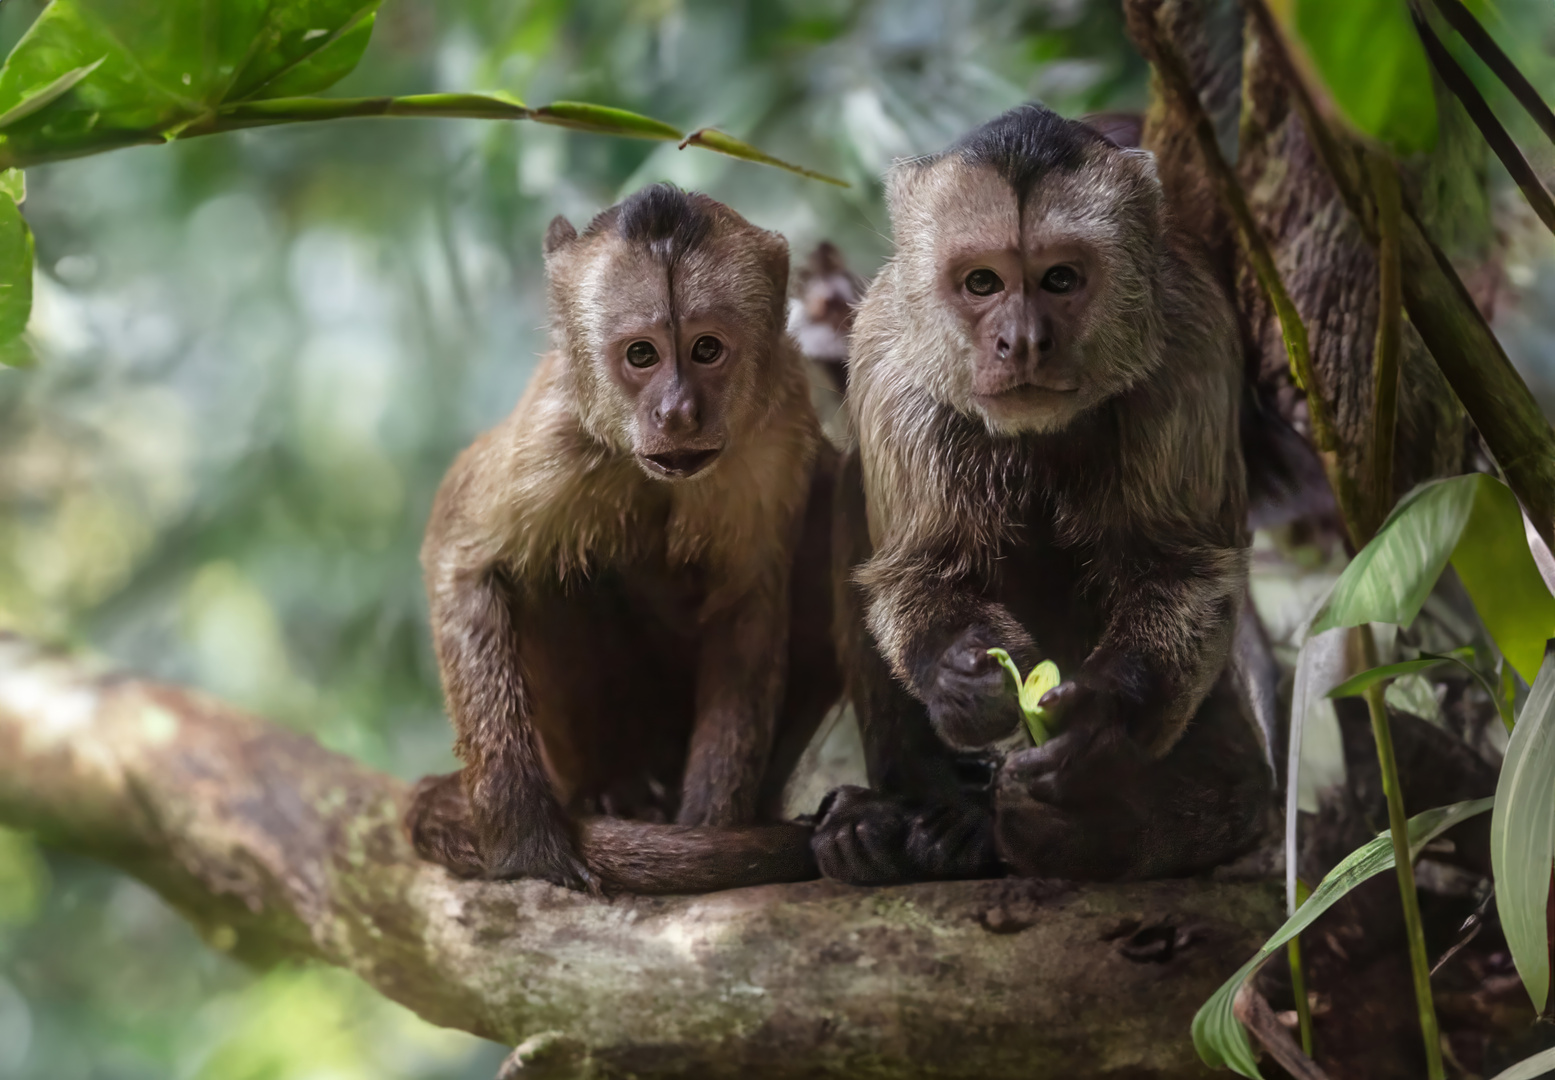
540 495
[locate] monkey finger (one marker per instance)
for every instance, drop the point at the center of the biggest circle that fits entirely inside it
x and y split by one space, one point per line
1067 697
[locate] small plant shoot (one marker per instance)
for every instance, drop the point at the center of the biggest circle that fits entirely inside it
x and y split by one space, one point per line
1029 692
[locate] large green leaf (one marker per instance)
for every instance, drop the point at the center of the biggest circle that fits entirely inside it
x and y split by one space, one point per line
15 266
1522 834
159 65
1373 64
1474 522
1218 1037
1389 579
1493 561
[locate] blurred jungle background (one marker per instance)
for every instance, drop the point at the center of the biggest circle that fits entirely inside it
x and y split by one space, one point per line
257 353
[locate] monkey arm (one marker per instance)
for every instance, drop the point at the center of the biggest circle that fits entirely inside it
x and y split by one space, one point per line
1171 614
740 675
520 828
934 626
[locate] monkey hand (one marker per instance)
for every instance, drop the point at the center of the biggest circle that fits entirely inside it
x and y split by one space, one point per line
864 838
969 704
1073 807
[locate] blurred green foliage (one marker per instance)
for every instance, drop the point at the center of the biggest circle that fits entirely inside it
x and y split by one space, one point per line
257 353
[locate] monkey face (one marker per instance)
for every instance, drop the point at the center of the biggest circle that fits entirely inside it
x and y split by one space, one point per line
1042 289
670 343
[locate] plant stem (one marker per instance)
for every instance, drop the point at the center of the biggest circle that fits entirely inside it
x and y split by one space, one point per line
1398 827
1298 979
1385 358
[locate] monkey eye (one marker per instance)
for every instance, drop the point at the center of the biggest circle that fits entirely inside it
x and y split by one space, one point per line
641 354
983 282
1061 279
706 349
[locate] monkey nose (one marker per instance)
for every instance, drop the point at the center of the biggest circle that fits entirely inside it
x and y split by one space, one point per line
1045 343
677 415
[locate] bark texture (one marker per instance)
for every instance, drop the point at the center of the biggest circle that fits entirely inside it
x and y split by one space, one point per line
277 848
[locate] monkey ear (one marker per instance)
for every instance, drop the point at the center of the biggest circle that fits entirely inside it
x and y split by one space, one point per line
559 234
773 250
1142 163
901 183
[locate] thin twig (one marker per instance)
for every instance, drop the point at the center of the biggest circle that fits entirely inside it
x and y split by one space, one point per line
1250 1008
1484 118
1479 39
1398 827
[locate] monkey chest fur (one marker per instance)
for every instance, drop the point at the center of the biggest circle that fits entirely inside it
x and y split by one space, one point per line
1048 590
611 662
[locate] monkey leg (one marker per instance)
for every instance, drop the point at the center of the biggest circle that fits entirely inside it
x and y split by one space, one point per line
1086 812
919 822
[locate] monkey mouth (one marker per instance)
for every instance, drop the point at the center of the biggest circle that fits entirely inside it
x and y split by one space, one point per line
1023 393
1025 397
679 464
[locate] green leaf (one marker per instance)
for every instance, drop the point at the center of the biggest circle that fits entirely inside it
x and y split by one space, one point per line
304 48
36 99
1522 834
1218 1037
1373 64
1474 522
1359 684
1493 561
1043 678
13 182
1463 657
15 274
1529 1068
157 66
1389 579
713 139
606 120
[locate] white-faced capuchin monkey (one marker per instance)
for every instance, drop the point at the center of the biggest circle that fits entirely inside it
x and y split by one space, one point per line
1044 385
626 574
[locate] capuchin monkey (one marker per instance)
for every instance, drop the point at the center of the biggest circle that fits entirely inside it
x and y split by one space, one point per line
1044 386
626 573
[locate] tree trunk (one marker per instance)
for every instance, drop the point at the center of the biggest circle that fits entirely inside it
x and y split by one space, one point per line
276 848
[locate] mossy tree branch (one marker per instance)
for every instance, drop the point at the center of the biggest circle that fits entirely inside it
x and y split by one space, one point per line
276 848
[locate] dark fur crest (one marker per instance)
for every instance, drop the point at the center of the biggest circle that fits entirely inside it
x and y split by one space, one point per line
667 221
1026 143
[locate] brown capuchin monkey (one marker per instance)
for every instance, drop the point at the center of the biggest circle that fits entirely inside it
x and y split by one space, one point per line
1044 386
627 573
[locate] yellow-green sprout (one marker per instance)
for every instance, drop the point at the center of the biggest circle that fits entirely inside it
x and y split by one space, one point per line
1043 678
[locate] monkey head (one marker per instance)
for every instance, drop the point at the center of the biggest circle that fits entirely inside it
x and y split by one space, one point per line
1028 262
668 308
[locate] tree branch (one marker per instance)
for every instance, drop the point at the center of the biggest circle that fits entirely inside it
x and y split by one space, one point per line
277 848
